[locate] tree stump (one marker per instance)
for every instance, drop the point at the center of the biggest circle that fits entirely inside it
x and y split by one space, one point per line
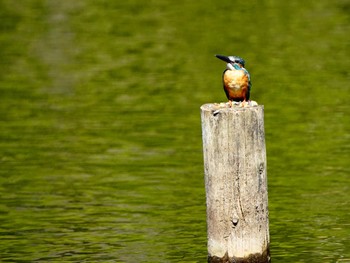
236 183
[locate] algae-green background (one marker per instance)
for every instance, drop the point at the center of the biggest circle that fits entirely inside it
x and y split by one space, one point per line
101 153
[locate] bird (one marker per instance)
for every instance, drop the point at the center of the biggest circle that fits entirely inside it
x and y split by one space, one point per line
236 80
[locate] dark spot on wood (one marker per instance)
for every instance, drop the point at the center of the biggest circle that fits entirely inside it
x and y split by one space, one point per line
216 112
234 222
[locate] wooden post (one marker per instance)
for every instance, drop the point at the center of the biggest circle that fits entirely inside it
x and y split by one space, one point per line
236 183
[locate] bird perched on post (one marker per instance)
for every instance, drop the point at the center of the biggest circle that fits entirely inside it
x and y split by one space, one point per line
236 79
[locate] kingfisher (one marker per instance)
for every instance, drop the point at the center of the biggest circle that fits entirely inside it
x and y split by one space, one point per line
236 79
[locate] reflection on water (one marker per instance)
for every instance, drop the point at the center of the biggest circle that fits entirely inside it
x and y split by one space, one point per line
100 133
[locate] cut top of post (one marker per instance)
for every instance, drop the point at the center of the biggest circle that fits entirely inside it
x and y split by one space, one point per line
216 108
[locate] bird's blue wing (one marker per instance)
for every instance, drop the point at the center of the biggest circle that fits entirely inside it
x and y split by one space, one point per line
249 83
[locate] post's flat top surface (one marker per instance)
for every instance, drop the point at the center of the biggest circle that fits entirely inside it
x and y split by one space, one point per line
226 107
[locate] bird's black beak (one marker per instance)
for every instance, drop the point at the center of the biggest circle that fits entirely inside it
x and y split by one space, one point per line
224 58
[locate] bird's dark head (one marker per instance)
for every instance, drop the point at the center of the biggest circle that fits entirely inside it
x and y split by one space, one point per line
232 59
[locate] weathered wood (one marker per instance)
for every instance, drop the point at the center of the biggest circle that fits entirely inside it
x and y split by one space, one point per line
236 183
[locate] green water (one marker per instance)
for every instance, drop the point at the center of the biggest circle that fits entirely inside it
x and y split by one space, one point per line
101 152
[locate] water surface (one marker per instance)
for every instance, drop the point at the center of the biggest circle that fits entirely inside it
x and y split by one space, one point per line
101 154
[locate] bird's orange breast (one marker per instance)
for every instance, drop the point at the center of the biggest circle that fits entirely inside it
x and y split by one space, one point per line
236 84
